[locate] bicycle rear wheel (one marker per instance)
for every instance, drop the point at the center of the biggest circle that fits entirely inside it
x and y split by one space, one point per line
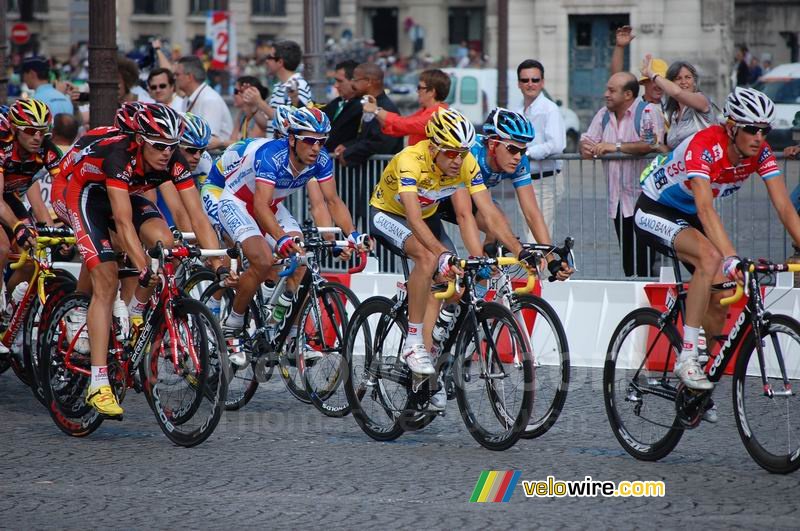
322 329
55 289
493 377
638 386
550 351
242 381
65 387
377 381
187 399
770 425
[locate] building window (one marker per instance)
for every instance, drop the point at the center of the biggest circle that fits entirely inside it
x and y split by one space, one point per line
39 6
269 8
199 7
466 25
331 8
151 7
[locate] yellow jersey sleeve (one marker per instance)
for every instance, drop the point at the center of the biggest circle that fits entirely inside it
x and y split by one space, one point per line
471 175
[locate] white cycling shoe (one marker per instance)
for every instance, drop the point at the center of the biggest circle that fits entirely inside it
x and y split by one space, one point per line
418 360
692 375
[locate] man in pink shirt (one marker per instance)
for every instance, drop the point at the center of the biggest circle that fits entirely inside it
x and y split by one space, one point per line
620 127
432 90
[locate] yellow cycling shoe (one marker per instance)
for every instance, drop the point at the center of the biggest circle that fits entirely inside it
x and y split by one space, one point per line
104 401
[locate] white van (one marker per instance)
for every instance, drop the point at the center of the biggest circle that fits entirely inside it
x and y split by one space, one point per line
473 91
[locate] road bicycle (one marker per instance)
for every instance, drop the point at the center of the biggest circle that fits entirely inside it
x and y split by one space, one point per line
177 357
310 363
649 409
482 347
544 334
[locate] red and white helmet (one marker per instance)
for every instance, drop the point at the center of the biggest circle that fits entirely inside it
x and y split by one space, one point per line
157 120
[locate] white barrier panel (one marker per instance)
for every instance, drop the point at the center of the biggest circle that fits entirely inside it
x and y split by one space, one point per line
589 309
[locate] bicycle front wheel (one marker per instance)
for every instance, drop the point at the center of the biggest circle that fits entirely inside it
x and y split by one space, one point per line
322 327
493 374
185 390
377 382
639 389
548 346
768 416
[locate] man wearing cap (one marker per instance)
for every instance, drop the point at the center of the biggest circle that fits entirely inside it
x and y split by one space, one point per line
35 73
652 92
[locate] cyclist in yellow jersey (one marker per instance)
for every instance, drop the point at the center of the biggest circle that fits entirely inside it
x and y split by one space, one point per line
403 217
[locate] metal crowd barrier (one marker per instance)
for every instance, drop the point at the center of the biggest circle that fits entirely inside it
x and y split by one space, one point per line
582 212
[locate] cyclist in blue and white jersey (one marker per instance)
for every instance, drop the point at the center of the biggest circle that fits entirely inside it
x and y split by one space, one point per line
251 207
500 153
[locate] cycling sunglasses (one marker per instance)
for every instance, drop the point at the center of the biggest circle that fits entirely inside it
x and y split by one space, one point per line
161 146
453 153
514 150
754 129
33 131
312 140
192 150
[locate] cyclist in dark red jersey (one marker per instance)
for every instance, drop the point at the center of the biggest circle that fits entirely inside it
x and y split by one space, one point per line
26 150
104 197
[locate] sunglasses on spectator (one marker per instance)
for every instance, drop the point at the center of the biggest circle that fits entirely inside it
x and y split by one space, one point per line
526 80
33 131
312 140
162 86
192 150
422 87
270 58
754 129
453 153
161 146
511 148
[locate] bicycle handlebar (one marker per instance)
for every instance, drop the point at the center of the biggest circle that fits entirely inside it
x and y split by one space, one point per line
51 240
481 261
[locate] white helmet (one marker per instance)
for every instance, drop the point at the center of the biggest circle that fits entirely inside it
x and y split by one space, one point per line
749 106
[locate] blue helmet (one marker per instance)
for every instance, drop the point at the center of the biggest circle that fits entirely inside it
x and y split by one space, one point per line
4 109
280 121
196 132
508 125
310 120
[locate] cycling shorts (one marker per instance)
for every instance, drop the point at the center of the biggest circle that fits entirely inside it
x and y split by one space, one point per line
392 230
658 225
92 219
240 225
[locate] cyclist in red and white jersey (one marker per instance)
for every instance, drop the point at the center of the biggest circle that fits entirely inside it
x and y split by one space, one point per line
104 200
676 213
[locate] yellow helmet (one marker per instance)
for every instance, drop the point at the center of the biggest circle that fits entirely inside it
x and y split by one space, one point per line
30 113
449 128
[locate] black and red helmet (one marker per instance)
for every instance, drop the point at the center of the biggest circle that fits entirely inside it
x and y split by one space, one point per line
6 135
157 120
125 119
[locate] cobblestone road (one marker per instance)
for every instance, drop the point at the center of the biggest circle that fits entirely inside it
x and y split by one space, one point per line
278 463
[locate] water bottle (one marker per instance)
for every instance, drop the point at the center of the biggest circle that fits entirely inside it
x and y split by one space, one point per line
121 318
284 302
267 289
442 328
367 116
11 307
648 128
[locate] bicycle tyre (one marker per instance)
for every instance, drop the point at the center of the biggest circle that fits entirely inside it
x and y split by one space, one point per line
323 379
660 445
510 421
197 283
243 381
65 389
557 369
363 381
55 289
752 414
203 381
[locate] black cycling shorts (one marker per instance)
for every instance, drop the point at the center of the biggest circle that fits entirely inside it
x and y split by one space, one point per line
658 225
92 220
392 230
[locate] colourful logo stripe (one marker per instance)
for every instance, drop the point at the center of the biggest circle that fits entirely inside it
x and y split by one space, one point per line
496 487
479 486
512 484
487 486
